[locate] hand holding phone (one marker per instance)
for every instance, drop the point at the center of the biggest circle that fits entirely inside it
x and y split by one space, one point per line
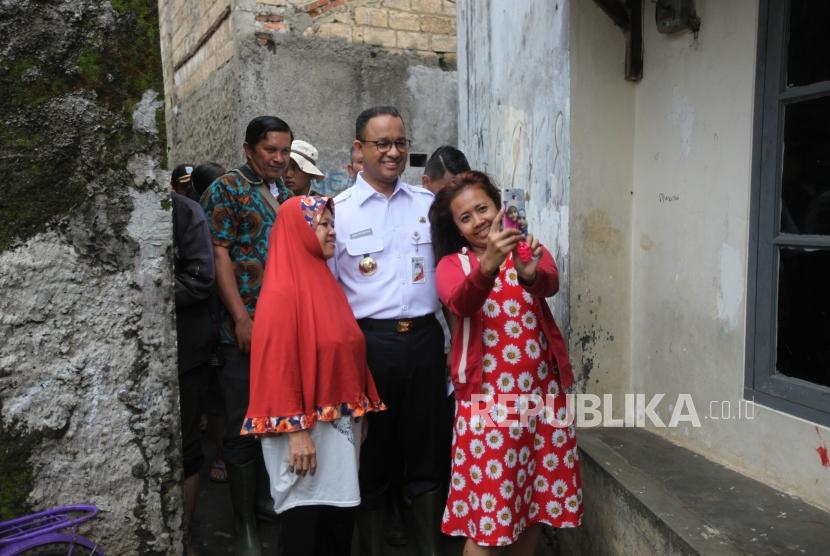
515 217
500 243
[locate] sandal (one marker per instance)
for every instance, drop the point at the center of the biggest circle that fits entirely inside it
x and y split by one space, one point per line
218 472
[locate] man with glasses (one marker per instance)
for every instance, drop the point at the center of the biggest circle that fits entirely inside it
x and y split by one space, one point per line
385 265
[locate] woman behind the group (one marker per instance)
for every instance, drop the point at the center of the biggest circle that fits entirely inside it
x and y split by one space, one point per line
506 480
310 383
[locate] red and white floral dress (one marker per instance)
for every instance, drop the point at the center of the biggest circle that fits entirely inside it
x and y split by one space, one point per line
506 478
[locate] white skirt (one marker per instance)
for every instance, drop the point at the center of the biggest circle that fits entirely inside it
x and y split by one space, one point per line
334 483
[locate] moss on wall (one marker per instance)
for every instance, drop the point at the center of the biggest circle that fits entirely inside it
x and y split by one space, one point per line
16 476
72 71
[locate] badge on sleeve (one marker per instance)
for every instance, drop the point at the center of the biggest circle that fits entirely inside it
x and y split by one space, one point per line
419 274
367 265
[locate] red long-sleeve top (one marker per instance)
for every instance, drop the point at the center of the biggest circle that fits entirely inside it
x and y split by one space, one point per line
464 294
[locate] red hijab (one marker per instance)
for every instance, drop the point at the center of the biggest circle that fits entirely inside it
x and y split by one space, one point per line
308 355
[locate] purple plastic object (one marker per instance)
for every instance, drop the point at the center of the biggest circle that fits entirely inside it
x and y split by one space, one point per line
47 527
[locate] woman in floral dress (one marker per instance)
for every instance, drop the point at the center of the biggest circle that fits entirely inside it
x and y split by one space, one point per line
515 461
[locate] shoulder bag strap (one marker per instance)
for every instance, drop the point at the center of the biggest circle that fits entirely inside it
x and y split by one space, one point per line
465 326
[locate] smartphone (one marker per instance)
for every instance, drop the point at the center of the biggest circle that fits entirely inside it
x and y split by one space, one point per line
515 217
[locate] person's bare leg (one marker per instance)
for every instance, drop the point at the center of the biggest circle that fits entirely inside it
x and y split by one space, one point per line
472 549
527 542
191 491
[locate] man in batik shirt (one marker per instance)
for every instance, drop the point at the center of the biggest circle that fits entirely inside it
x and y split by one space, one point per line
241 207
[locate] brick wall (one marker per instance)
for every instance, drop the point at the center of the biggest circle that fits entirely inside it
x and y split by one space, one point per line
204 61
197 35
422 27
197 39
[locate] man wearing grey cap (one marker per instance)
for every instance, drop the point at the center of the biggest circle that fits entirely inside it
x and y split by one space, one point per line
302 168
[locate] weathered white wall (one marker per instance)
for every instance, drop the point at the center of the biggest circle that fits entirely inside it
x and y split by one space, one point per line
692 160
514 113
602 146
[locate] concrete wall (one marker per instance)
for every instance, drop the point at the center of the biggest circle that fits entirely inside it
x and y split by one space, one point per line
317 65
88 382
602 146
692 160
514 111
679 145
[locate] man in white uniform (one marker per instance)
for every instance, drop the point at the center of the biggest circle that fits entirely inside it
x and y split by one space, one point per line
385 264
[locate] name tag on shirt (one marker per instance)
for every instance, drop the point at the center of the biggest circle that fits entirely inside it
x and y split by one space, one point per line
361 233
419 274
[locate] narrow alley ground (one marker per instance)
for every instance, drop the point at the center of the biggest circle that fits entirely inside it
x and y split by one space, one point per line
213 525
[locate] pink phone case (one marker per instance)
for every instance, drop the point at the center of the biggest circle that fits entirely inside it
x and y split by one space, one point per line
513 202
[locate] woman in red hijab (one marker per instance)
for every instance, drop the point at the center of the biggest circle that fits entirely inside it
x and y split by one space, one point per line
310 383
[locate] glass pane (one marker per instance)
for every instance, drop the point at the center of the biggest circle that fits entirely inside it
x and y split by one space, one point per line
804 315
808 53
805 191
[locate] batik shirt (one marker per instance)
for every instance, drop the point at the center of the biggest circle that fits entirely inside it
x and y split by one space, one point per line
240 219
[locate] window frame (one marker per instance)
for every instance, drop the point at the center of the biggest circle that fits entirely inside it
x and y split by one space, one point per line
762 383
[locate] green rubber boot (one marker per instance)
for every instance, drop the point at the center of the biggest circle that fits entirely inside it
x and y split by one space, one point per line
264 503
370 532
243 483
426 513
395 527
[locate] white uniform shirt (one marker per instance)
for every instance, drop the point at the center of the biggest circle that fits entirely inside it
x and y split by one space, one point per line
393 231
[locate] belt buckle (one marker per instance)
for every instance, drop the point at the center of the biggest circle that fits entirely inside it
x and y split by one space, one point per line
403 326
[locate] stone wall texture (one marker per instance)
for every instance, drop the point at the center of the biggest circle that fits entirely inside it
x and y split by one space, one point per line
88 382
316 64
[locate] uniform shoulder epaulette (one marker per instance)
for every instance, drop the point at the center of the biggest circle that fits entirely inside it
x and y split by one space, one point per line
421 190
342 196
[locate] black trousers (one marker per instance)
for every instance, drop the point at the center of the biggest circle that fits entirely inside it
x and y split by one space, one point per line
235 381
316 531
192 385
407 444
